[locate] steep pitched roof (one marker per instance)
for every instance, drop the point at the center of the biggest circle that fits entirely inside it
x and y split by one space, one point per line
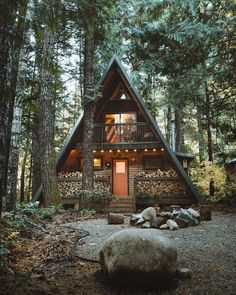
133 91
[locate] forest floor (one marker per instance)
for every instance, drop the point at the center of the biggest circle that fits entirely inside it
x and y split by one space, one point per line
45 260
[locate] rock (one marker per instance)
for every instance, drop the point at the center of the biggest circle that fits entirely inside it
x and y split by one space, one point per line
134 218
140 221
149 213
146 224
115 218
175 212
194 214
166 214
164 226
157 222
184 273
149 259
158 209
181 222
175 207
172 224
184 214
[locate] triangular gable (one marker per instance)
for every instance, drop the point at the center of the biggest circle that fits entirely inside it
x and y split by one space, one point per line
131 91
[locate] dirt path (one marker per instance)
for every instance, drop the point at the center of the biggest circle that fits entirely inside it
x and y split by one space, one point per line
50 265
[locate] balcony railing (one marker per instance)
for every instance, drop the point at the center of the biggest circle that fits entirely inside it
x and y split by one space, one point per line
123 133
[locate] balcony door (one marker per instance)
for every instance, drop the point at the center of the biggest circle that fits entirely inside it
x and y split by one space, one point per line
119 127
120 177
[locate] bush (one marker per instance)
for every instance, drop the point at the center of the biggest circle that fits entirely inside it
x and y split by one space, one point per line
97 199
204 174
149 200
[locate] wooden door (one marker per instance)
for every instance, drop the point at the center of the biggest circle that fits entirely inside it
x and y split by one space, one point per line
120 177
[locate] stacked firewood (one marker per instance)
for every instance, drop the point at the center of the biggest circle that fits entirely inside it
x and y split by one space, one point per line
159 173
69 189
75 174
159 187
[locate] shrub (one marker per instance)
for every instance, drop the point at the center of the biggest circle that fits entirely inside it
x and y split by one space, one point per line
204 174
97 199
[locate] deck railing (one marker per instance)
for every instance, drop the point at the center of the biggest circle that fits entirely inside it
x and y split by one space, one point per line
123 133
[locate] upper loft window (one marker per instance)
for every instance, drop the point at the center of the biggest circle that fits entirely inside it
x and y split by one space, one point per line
124 96
121 118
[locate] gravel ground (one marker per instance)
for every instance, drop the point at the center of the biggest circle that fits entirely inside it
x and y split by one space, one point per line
208 250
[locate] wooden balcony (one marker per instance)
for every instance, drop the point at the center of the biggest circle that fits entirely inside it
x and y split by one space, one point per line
121 136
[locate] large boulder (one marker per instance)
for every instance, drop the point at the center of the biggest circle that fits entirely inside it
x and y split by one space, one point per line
140 257
149 213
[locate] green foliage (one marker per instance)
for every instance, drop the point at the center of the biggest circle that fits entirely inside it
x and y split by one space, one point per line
97 199
4 251
204 174
149 199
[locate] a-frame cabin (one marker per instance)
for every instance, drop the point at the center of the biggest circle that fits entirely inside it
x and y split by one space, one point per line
131 156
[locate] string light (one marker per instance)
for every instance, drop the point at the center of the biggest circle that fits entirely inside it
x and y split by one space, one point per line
135 150
126 151
118 151
162 149
110 151
154 150
94 151
145 150
102 151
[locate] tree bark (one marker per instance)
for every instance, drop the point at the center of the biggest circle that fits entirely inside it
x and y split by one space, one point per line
46 124
22 177
201 139
179 130
17 117
89 107
168 126
208 121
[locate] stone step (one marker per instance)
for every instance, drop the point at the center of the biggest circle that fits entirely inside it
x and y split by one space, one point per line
121 210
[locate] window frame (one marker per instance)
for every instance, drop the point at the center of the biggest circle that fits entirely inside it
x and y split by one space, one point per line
150 157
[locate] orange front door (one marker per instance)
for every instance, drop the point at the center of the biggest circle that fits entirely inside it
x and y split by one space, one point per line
120 177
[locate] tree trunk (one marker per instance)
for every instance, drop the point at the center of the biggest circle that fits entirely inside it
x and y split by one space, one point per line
46 124
89 107
168 126
16 123
201 140
22 177
208 121
179 142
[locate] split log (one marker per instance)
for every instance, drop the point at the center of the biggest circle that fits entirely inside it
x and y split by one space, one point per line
205 212
115 218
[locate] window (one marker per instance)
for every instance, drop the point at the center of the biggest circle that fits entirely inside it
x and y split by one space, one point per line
153 162
97 163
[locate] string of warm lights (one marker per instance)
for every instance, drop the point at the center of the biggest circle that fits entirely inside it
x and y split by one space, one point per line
135 150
